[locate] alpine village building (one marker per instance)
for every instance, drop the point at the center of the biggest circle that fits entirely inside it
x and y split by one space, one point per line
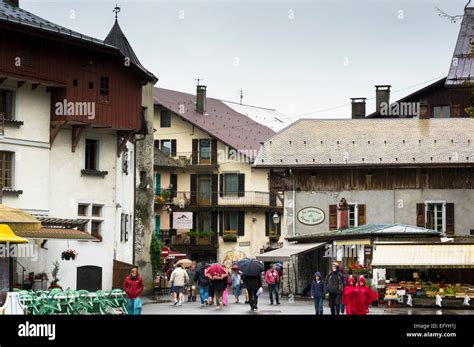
75 121
204 151
391 191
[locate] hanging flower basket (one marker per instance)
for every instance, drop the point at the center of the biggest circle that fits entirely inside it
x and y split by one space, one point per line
69 254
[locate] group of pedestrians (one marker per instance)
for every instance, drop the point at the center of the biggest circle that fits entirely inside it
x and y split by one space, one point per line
344 294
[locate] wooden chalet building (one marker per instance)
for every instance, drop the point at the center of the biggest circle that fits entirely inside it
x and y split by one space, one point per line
71 108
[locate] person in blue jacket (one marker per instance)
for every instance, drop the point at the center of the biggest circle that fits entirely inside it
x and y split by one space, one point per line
317 293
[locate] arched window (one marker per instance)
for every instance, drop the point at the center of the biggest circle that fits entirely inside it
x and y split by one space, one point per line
6 169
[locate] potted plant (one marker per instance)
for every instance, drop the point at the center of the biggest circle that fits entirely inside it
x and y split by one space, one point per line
69 254
54 274
230 238
273 237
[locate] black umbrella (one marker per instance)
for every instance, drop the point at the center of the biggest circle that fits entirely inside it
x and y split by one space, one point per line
250 267
278 266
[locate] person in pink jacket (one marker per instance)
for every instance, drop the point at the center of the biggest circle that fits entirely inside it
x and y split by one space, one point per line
273 280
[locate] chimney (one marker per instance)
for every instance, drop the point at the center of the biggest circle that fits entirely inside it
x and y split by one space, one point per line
14 3
358 108
201 99
382 95
424 110
342 215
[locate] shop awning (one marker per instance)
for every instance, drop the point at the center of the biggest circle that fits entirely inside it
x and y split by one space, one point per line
413 256
353 242
284 253
57 234
7 235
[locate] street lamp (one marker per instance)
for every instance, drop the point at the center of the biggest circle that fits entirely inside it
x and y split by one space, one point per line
276 218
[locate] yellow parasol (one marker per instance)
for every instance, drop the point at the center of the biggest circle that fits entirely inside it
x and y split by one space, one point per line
7 235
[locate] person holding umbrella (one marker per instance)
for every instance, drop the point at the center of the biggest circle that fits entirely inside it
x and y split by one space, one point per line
217 273
251 270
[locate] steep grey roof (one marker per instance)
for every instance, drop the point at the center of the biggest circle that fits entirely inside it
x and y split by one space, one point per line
370 230
271 118
117 38
227 125
370 142
461 70
20 16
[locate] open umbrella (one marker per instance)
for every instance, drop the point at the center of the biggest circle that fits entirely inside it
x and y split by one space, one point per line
216 272
185 263
250 267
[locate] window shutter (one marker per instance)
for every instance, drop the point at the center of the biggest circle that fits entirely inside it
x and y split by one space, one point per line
332 217
361 215
214 226
241 188
174 184
193 189
214 189
214 151
195 153
221 223
278 226
241 219
221 185
420 215
267 223
195 227
450 219
122 229
173 148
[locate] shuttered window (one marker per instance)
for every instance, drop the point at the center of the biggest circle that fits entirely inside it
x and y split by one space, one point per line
7 98
332 217
436 215
6 169
165 119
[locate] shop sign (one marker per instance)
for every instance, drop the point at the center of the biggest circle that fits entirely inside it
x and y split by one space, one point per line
244 244
311 216
182 220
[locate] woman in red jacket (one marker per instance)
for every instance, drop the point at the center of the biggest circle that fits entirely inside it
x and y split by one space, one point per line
133 286
368 294
353 299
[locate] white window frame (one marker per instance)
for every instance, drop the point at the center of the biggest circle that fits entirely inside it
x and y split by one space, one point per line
99 151
225 193
356 214
443 211
89 215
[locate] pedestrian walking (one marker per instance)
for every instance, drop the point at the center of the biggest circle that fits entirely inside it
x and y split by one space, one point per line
236 279
317 293
344 281
168 275
335 287
272 278
191 288
369 296
252 284
219 286
179 279
203 283
133 286
353 299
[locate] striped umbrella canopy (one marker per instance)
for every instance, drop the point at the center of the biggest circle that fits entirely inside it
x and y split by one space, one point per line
216 272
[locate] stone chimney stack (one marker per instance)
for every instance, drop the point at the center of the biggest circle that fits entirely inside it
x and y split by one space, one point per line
382 95
201 103
342 214
358 108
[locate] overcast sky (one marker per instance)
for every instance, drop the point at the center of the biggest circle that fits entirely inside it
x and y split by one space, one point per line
301 57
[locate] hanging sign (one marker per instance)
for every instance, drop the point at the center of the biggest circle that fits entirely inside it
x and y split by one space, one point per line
182 220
